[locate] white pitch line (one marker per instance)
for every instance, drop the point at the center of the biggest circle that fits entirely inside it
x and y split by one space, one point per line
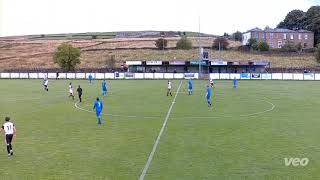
146 167
226 116
262 112
115 115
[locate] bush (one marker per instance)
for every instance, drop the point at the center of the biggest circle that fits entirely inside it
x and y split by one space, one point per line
289 47
161 43
309 50
67 57
317 53
253 44
244 48
299 47
222 41
263 46
184 43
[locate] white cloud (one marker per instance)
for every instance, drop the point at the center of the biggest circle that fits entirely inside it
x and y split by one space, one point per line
22 17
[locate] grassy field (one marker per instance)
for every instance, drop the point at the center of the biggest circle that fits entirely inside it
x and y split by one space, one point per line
245 135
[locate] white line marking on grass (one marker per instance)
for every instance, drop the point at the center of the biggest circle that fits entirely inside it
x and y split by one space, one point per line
146 167
115 115
262 112
228 116
76 105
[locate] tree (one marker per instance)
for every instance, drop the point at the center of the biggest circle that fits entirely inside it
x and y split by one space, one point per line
313 22
253 44
184 43
295 19
317 53
161 43
226 35
220 42
237 36
67 57
263 46
111 61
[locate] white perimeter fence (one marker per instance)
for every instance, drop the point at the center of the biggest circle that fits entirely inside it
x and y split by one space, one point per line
225 76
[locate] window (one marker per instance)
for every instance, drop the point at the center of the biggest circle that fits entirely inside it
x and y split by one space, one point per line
271 35
271 46
263 36
284 36
299 36
279 44
306 36
291 36
257 35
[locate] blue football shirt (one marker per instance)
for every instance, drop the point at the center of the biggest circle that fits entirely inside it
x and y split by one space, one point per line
208 92
98 105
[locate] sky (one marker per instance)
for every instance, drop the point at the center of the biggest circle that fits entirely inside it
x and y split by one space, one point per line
26 17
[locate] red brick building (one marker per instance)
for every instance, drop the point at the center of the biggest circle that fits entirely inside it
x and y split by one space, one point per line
276 38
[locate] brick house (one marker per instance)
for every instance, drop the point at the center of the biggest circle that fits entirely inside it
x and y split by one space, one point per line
276 38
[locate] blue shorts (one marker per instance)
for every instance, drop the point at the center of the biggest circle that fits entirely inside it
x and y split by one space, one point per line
208 98
98 113
104 89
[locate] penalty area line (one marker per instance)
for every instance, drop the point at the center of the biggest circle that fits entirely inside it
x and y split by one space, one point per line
154 148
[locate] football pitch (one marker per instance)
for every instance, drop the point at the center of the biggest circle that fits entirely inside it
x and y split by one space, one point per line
246 134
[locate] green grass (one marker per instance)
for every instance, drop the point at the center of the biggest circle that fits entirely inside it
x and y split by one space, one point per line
232 140
100 35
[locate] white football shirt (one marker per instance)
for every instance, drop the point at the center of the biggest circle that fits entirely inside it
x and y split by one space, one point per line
8 127
169 85
46 82
70 89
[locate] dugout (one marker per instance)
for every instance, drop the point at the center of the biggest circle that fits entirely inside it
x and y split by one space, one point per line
181 66
238 66
175 66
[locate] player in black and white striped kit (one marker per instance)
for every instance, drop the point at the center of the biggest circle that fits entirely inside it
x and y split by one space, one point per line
10 132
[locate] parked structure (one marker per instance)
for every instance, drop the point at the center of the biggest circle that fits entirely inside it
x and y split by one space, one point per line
213 66
276 38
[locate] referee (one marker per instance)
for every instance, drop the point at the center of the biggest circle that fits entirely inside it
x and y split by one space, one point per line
79 90
10 132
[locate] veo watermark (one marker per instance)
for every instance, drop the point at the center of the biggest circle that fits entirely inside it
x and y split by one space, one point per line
296 161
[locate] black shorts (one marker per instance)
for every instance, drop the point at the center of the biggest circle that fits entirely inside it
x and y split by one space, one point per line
79 95
9 138
46 86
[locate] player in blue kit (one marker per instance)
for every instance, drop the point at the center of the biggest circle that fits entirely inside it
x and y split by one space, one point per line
208 95
235 83
98 106
90 78
190 86
104 88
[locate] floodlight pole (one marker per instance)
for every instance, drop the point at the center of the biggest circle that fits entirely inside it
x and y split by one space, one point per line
200 54
219 51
